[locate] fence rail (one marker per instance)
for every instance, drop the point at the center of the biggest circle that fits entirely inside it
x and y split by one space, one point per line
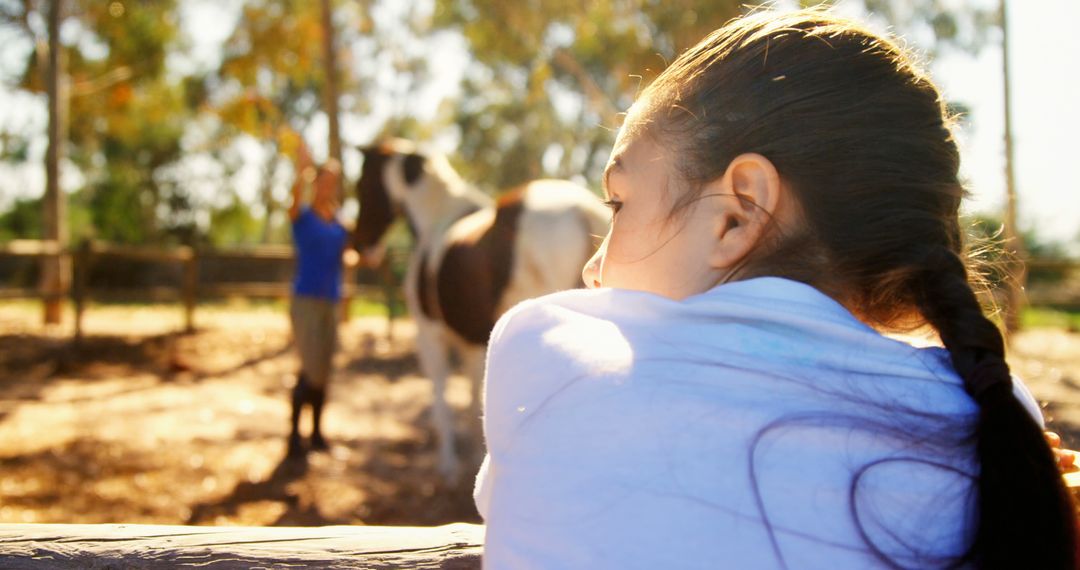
457 546
68 546
187 289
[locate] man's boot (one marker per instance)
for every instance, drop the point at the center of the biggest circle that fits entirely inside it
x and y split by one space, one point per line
318 398
300 396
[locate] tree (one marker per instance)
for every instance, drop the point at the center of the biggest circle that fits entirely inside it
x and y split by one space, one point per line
544 92
127 116
548 81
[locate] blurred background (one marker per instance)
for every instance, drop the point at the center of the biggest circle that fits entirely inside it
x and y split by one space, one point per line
144 242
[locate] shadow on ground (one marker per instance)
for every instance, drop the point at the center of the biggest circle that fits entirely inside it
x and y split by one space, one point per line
190 429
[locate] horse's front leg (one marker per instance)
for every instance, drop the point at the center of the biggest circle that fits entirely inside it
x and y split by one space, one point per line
474 360
433 352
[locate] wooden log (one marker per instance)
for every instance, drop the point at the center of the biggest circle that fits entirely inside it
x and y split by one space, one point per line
144 252
162 294
68 546
273 290
263 252
1063 265
30 248
20 293
456 546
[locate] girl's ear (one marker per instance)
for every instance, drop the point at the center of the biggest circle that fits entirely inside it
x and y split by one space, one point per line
749 196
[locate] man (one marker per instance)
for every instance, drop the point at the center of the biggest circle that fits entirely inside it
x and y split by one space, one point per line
320 242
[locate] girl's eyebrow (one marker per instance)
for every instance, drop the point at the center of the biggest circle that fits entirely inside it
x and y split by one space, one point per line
611 165
604 181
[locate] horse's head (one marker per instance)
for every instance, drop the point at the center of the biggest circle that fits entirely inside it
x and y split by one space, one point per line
390 168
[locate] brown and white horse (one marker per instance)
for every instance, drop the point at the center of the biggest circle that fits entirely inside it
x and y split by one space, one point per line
474 257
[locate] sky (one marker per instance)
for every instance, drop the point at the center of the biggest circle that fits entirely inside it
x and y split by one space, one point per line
1045 111
1045 106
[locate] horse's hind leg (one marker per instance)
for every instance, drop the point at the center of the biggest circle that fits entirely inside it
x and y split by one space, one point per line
433 353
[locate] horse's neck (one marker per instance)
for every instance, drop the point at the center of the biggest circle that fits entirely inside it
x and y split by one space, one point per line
444 202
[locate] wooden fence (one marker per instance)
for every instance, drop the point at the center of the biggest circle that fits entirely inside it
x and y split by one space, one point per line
187 290
82 547
1053 283
456 546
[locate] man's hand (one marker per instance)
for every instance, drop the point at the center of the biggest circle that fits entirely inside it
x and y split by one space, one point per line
350 257
303 165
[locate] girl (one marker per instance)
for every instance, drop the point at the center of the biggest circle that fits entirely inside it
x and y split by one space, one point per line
723 396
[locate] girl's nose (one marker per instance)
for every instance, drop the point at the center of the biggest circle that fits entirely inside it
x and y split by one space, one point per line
592 273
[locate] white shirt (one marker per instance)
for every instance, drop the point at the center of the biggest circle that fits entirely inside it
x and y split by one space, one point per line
627 430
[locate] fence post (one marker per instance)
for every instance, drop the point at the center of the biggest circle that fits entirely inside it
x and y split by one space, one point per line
190 288
82 278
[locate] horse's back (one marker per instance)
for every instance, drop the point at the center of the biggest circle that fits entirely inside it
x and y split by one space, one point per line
534 243
560 226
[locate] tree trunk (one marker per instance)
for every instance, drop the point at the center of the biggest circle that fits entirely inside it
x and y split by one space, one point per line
1017 277
55 270
330 93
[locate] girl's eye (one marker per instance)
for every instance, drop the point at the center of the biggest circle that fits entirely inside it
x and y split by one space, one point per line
615 205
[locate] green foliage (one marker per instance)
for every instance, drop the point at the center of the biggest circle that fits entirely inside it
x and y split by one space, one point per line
14 148
272 67
555 77
361 307
963 25
22 221
1041 317
234 224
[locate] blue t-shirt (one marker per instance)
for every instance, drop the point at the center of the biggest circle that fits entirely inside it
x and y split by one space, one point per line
319 244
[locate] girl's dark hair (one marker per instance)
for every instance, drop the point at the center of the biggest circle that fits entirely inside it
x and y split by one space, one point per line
862 137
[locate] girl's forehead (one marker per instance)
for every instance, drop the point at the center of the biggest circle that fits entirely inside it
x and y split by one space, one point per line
633 122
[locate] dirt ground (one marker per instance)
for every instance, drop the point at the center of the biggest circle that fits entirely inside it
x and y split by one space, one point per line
142 425
139 424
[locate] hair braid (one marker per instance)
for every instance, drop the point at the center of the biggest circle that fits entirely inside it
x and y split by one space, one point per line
1022 498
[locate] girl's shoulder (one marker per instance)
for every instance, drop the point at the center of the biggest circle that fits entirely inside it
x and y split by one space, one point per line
539 312
576 304
535 328
544 344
